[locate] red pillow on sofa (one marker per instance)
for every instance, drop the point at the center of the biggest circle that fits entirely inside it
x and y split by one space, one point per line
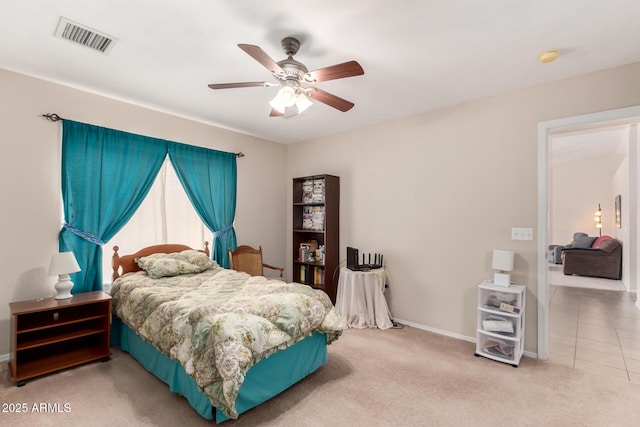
600 240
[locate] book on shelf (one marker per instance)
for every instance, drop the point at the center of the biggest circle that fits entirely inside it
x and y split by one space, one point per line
307 218
318 278
318 191
313 218
509 308
317 218
307 191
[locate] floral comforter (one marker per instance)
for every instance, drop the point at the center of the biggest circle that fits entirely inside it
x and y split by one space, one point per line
220 322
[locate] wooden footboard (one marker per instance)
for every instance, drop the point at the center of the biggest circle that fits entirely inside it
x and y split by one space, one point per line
127 263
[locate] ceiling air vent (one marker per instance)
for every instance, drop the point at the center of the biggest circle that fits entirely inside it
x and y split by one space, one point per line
83 35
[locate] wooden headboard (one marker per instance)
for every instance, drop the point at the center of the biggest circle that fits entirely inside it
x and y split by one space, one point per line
127 264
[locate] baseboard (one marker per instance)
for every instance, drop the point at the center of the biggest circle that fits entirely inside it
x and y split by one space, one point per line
435 330
456 336
5 357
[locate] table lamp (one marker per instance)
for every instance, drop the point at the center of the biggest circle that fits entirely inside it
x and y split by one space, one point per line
62 264
502 261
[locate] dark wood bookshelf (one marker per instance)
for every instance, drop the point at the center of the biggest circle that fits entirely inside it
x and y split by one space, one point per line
318 274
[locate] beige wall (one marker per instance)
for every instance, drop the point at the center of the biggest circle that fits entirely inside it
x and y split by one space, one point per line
436 192
30 178
576 189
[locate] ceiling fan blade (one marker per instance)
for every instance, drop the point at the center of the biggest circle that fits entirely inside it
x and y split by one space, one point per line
338 71
275 113
260 55
244 84
331 100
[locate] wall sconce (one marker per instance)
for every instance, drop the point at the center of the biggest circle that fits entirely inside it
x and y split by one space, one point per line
598 219
62 264
502 261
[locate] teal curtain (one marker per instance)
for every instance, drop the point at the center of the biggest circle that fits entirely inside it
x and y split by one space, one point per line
209 178
106 174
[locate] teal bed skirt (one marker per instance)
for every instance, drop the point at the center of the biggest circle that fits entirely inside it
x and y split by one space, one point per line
264 380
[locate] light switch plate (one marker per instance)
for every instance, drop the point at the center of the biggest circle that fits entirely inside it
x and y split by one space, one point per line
522 233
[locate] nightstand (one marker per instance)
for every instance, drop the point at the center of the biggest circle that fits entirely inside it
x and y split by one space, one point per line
48 335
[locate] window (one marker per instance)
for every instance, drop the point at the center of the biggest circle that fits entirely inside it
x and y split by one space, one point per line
165 216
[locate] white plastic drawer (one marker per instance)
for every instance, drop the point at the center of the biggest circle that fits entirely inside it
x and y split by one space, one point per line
504 349
493 299
508 326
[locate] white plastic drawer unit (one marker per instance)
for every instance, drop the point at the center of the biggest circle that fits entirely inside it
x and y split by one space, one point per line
501 322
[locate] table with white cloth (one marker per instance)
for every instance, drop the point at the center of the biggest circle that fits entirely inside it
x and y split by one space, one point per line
360 300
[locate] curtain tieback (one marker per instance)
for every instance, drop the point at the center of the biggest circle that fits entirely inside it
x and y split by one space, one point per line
83 234
221 232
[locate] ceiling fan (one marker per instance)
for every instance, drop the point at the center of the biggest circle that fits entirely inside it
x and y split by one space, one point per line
297 83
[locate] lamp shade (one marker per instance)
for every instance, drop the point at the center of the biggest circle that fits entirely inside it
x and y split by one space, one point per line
63 263
286 97
502 260
302 102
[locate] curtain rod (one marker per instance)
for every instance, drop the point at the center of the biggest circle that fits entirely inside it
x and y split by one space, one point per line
56 118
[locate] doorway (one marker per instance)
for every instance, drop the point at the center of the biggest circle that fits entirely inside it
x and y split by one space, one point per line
588 171
545 131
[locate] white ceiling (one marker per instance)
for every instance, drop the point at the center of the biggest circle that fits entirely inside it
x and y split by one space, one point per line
603 140
417 55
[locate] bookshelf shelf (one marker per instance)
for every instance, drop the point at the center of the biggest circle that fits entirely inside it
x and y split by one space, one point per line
316 207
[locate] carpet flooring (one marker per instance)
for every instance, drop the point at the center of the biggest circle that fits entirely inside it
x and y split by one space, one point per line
397 377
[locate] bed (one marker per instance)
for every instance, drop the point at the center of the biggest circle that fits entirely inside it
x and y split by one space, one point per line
224 340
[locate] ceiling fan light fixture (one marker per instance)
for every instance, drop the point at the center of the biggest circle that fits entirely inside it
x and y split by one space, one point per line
276 105
302 102
286 97
296 92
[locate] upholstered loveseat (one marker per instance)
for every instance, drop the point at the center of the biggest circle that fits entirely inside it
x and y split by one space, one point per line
580 240
602 259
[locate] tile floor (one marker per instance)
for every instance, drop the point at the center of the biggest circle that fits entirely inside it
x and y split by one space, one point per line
595 329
